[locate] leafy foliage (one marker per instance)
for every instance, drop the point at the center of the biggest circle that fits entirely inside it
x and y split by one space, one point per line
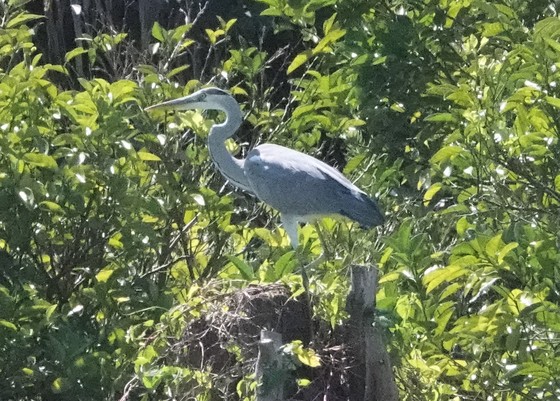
113 224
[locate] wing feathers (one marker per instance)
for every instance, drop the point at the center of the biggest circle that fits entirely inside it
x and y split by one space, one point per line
298 184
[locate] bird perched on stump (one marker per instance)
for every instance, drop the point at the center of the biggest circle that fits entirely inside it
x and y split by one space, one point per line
301 187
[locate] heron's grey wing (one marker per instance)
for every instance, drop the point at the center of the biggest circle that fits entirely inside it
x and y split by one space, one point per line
300 185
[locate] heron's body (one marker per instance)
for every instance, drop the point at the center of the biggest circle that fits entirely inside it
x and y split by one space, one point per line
299 186
272 171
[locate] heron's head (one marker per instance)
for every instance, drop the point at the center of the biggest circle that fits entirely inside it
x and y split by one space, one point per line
204 99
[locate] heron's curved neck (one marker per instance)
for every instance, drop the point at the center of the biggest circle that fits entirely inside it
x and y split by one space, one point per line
230 167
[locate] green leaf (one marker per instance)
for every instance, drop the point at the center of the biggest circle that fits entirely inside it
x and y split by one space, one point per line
330 38
505 250
59 385
303 382
450 290
309 358
441 275
104 274
553 44
553 101
9 325
547 28
353 163
158 32
494 245
442 315
49 313
431 192
378 60
146 69
492 29
445 154
246 271
40 159
441 117
514 303
178 34
74 53
22 19
328 24
214 35
147 156
177 70
306 356
392 276
230 24
237 90
532 369
50 206
286 264
17 3
299 60
272 12
115 242
27 371
462 225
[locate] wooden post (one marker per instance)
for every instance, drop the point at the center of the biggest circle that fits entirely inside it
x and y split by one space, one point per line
270 371
371 376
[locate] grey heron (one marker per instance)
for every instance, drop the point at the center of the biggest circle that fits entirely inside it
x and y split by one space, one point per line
301 187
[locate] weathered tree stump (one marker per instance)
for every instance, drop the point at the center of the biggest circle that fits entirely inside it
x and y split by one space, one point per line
270 370
371 375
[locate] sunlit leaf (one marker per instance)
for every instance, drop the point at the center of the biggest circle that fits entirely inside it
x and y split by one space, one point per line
41 160
158 32
505 250
22 18
445 154
50 206
78 51
299 60
353 163
8 325
59 385
431 192
115 242
246 271
147 156
104 274
441 117
330 38
442 275
494 245
286 264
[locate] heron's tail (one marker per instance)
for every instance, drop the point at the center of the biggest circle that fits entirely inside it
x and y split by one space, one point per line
363 210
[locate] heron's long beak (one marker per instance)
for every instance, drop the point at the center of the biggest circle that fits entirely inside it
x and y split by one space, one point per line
182 103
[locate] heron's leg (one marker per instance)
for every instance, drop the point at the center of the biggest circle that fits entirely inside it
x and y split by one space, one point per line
304 269
290 225
305 279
